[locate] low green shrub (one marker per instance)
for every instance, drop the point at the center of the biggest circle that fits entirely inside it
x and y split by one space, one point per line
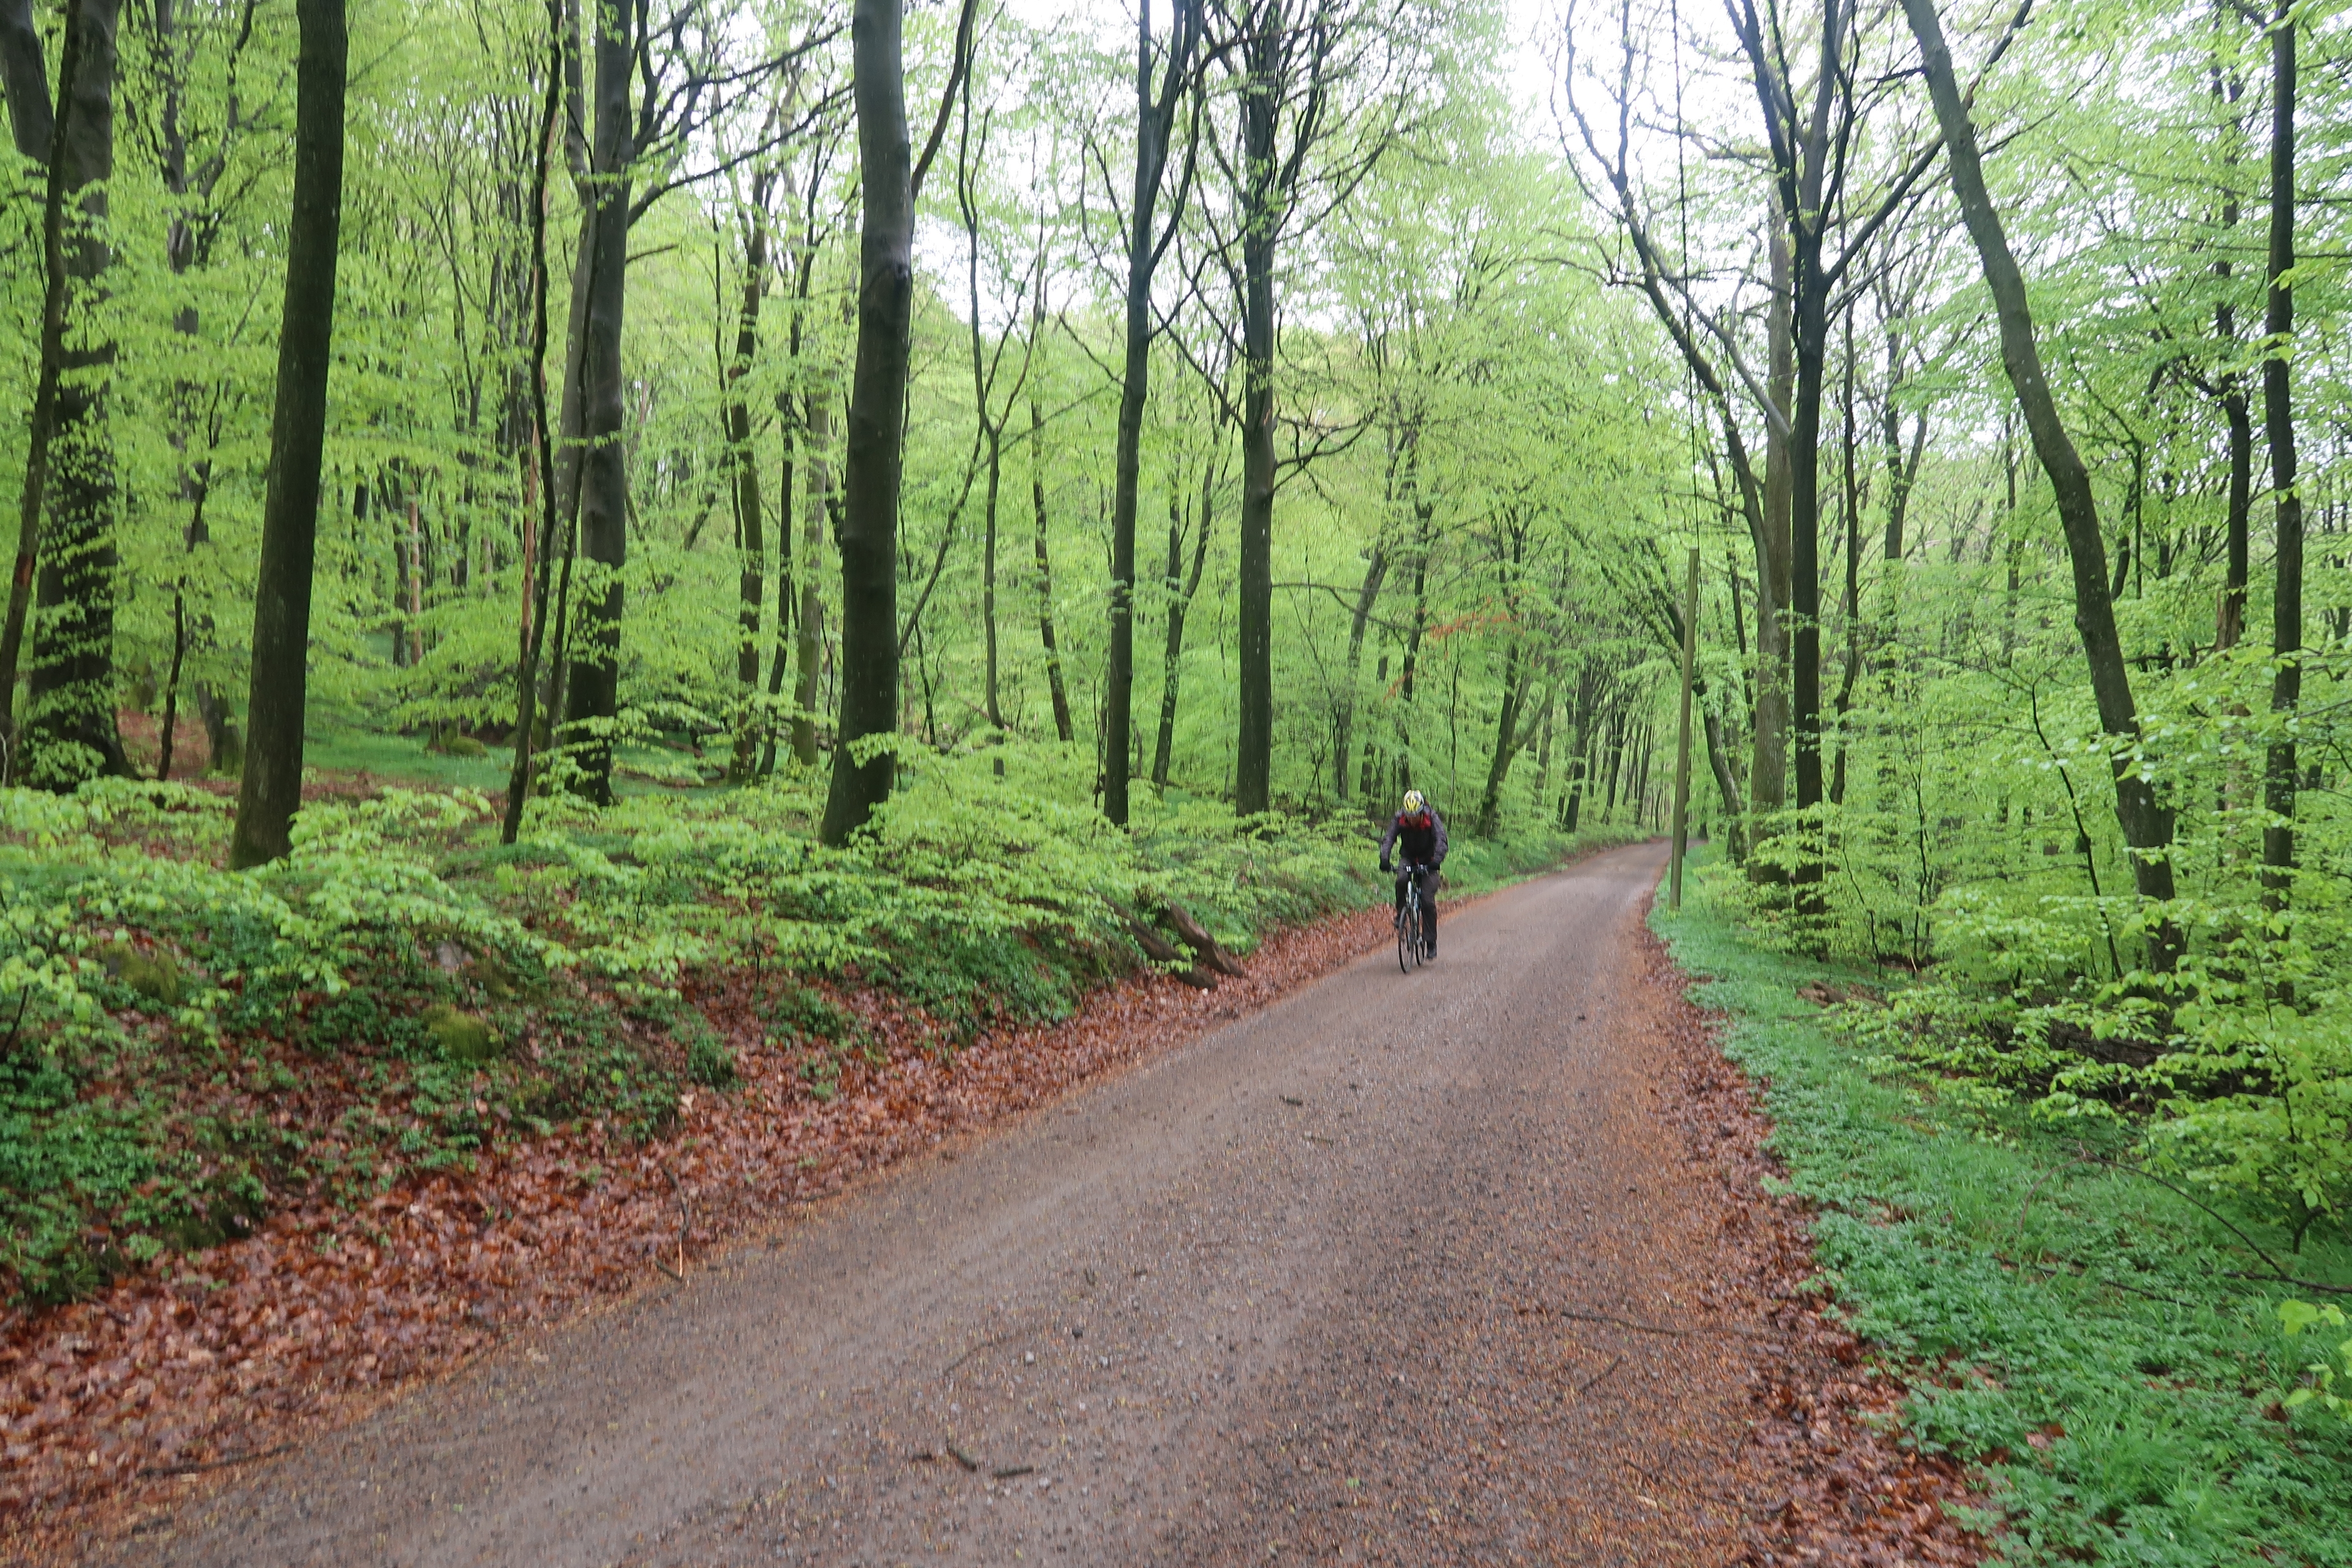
2100 1346
416 991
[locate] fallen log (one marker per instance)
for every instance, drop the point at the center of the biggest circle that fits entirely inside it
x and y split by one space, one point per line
1204 946
1160 950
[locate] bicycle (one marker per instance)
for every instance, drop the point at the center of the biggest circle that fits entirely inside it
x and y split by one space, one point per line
1413 922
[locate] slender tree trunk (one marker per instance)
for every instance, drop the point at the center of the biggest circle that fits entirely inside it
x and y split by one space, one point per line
869 520
1375 570
539 531
181 250
992 429
168 729
2279 777
592 681
751 581
272 788
1805 527
995 705
1064 729
2229 623
2146 821
1179 602
414 601
1853 606
787 423
1152 125
1768 775
809 649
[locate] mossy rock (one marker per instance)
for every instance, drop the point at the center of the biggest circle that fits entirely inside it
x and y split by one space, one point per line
153 976
456 743
462 1037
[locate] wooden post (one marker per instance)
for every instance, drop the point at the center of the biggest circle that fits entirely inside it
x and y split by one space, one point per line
1682 738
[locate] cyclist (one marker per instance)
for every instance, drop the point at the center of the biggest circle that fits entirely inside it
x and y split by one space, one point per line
1418 833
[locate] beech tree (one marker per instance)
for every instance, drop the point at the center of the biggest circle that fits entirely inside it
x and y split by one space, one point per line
271 792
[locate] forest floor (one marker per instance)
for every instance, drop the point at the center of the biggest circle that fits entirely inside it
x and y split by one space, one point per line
1472 1265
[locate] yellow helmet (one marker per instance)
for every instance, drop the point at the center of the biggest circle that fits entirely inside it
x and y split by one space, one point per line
1415 803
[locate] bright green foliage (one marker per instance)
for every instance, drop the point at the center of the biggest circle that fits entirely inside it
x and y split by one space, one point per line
2092 1339
422 992
2295 1317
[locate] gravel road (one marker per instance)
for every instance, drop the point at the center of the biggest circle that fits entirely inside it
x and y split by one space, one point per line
1350 1279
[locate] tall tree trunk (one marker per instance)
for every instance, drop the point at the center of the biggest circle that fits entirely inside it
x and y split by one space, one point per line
1058 689
68 734
539 531
1152 125
1375 570
2279 778
992 428
869 518
2230 622
1768 773
2146 821
180 252
1852 605
272 789
995 703
35 133
788 426
592 682
752 580
1812 335
1254 743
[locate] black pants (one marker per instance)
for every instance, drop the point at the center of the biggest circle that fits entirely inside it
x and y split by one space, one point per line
1427 876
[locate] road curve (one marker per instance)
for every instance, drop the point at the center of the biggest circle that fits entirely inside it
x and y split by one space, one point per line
1328 1283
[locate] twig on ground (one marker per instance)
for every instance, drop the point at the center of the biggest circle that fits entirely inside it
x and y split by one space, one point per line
983 1345
2277 1275
1009 1471
1659 1328
2082 1271
199 1466
1590 1383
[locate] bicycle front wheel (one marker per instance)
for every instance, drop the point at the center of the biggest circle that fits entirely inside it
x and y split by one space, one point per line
1408 936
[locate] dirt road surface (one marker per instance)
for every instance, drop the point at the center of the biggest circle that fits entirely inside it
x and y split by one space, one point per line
1332 1283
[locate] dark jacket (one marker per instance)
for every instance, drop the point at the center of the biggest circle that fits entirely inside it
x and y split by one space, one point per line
1422 838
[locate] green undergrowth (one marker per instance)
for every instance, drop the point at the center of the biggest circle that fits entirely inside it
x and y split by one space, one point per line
182 1049
2087 1338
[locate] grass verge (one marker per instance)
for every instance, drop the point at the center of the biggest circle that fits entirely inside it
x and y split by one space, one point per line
2089 1341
